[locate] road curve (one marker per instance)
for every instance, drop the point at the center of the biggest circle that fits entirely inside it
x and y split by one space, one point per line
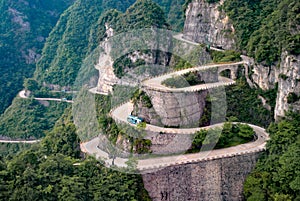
120 114
258 145
180 37
155 83
22 94
20 141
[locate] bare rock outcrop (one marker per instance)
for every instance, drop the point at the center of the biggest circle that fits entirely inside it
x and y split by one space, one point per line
206 23
288 84
178 109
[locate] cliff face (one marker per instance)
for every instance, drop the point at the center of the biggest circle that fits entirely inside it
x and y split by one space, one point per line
287 75
123 53
216 180
205 23
107 77
176 109
288 84
264 77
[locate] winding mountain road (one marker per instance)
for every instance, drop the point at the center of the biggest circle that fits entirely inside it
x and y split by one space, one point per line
91 148
120 114
156 82
22 94
180 37
20 141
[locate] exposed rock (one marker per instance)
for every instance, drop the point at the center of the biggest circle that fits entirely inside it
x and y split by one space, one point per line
123 143
167 143
289 82
20 19
107 76
31 56
265 76
127 44
205 23
265 104
287 75
258 75
220 179
178 109
148 114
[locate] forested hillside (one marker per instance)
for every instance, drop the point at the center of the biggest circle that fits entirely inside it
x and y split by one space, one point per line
24 27
54 170
277 174
266 28
75 34
30 119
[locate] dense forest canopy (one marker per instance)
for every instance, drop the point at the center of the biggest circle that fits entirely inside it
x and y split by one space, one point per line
277 174
77 33
24 27
266 28
54 170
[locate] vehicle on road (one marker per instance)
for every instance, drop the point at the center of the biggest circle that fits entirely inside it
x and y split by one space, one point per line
134 120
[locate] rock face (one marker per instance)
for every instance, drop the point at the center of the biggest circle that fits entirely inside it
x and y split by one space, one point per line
107 77
205 23
177 109
135 47
220 179
289 83
287 75
265 77
168 143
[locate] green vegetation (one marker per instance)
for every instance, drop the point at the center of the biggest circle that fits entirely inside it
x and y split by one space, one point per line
66 46
123 63
270 96
283 76
24 26
265 28
29 119
242 103
276 176
175 82
186 80
230 135
179 63
212 1
292 98
142 14
141 95
8 151
83 24
115 131
226 56
206 116
142 146
192 58
174 13
53 170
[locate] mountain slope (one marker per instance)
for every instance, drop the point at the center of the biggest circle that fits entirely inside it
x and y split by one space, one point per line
78 31
23 28
67 44
266 28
